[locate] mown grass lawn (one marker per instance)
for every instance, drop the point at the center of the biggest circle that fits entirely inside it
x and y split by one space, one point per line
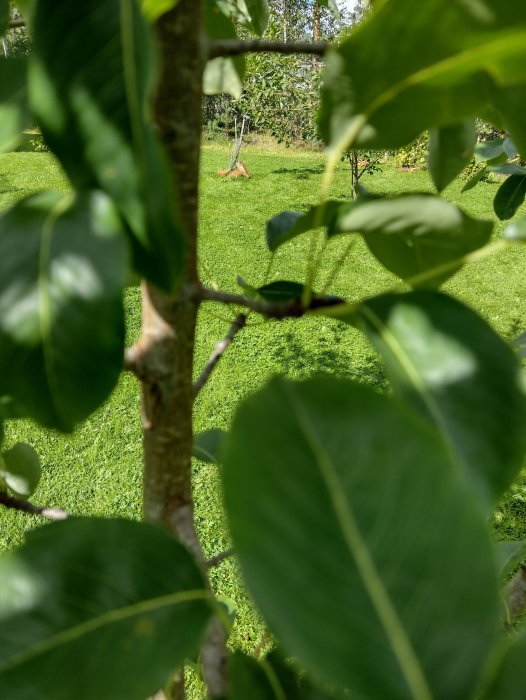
97 470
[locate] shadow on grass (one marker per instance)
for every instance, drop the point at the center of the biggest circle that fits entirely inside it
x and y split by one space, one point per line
300 173
330 355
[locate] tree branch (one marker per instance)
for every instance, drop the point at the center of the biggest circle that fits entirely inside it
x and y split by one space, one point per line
515 596
218 558
26 507
16 23
277 310
220 348
235 47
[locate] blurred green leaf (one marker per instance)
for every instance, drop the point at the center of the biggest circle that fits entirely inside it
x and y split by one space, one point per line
4 15
256 13
516 231
63 263
20 469
453 369
413 234
489 150
330 5
450 150
508 675
509 556
510 196
14 115
95 608
519 345
207 445
327 482
473 66
474 179
223 74
153 9
91 75
510 148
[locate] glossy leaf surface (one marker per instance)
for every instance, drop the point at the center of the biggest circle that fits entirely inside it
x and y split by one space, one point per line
450 150
20 469
473 66
13 97
328 483
63 263
91 75
80 620
510 196
456 371
414 234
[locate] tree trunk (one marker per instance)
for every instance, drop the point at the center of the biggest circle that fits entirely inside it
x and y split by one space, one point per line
166 345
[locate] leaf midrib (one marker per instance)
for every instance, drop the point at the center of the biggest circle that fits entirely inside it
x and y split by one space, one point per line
76 632
385 609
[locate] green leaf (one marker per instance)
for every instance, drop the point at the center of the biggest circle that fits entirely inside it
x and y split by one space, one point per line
507 169
489 150
330 5
91 75
516 231
95 608
4 15
343 507
20 469
508 679
510 148
207 445
153 9
455 371
63 263
250 679
289 224
510 196
255 13
473 66
413 234
450 150
281 291
519 345
223 74
509 556
14 116
474 179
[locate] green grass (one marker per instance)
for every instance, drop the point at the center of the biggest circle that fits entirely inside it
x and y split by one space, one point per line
97 470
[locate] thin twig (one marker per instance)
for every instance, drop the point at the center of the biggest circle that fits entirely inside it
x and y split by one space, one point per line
16 23
277 310
214 561
26 507
515 596
219 349
235 47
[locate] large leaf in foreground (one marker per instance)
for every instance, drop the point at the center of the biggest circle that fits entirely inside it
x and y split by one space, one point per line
510 196
345 512
474 65
63 263
450 150
223 74
417 236
20 469
90 79
454 369
509 677
13 98
104 609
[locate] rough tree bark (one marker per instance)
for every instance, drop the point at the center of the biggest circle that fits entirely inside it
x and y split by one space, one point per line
165 350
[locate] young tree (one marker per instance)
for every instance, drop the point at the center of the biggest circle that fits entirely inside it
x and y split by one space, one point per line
359 520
